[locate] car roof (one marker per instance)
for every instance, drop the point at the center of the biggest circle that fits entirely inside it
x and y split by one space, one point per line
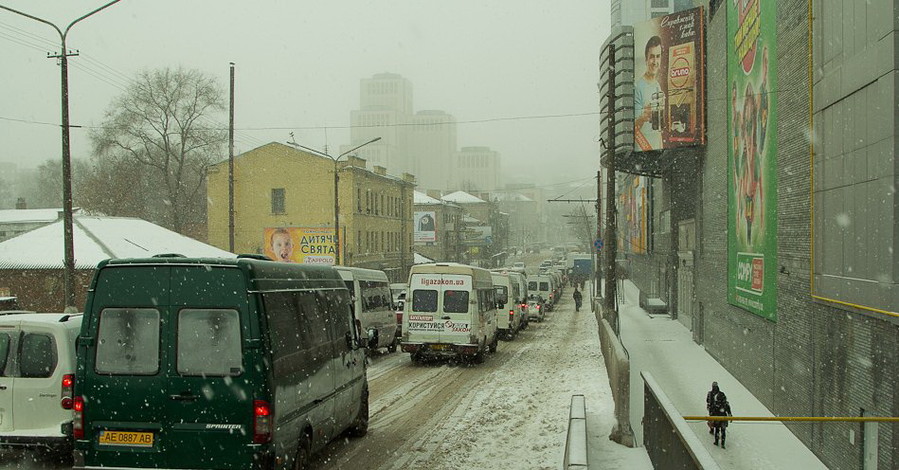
20 317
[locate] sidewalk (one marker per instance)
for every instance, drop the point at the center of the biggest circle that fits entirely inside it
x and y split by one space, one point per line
685 371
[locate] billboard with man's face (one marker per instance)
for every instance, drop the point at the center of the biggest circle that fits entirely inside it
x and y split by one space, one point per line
307 245
669 95
425 227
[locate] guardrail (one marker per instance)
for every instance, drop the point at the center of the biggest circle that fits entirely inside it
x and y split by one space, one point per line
576 441
670 443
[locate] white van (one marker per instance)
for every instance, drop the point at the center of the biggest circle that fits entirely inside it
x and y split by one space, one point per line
37 367
522 298
373 305
541 285
450 311
508 313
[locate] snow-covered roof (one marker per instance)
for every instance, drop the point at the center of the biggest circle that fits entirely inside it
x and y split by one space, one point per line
422 198
461 197
21 216
97 239
470 220
420 259
511 197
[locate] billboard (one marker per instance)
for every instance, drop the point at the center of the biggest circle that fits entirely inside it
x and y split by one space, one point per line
307 245
752 156
669 95
425 227
633 222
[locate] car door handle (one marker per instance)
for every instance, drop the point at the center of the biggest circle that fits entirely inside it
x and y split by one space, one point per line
2 387
445 318
183 397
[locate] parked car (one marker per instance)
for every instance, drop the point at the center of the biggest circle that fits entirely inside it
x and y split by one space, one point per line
536 309
37 367
216 363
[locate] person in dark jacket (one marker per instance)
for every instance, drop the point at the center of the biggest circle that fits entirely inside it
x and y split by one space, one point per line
578 299
717 404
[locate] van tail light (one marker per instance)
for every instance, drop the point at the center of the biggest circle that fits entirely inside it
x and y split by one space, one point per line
78 418
262 422
68 384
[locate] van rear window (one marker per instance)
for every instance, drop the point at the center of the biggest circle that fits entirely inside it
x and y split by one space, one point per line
128 341
455 301
424 300
544 286
532 285
209 342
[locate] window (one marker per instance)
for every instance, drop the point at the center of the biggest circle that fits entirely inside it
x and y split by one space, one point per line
660 3
209 342
301 345
278 200
424 300
544 286
375 296
37 358
455 301
128 341
4 353
359 200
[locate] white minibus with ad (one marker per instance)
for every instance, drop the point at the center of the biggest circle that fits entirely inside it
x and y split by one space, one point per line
450 311
373 305
508 314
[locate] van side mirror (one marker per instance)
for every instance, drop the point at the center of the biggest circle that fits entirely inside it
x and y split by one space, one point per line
351 342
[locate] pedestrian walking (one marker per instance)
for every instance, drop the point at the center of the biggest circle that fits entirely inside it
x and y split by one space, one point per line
578 299
717 404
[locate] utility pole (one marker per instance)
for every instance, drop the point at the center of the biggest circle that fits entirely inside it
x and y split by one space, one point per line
597 259
610 247
231 166
68 232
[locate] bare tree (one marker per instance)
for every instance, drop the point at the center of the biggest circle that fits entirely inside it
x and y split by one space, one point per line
161 125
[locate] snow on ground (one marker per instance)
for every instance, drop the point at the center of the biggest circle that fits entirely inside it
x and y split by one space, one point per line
685 371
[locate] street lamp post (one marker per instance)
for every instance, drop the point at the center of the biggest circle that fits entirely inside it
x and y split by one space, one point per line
69 262
336 194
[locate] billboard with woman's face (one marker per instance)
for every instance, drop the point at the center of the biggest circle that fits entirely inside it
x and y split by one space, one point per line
669 96
752 155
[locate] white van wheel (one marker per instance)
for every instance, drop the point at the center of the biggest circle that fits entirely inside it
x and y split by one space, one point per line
359 427
494 344
392 346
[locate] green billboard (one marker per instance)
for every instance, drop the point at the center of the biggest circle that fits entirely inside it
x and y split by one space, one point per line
752 156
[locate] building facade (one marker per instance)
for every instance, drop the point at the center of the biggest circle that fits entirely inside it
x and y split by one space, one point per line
421 143
445 244
281 187
477 169
822 338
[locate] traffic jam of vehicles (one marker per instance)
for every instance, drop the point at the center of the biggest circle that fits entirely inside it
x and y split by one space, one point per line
240 363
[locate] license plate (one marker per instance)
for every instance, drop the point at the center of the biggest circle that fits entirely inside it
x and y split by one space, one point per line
126 438
440 347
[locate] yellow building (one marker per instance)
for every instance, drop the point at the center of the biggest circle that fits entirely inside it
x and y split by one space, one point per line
284 208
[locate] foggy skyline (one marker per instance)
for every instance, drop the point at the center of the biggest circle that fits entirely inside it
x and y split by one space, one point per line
499 69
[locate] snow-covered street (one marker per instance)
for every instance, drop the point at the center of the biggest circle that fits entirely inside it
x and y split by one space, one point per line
511 412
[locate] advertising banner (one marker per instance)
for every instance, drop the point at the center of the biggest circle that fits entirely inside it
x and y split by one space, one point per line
308 245
425 227
669 95
633 224
752 156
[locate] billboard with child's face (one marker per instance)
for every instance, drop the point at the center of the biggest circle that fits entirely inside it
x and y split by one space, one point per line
752 156
308 245
669 96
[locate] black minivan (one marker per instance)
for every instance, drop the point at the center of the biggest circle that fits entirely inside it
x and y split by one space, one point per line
215 363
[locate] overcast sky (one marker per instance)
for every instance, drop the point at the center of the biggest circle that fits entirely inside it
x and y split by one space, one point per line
298 67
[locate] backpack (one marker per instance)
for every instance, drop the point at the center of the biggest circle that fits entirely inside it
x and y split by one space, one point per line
719 404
